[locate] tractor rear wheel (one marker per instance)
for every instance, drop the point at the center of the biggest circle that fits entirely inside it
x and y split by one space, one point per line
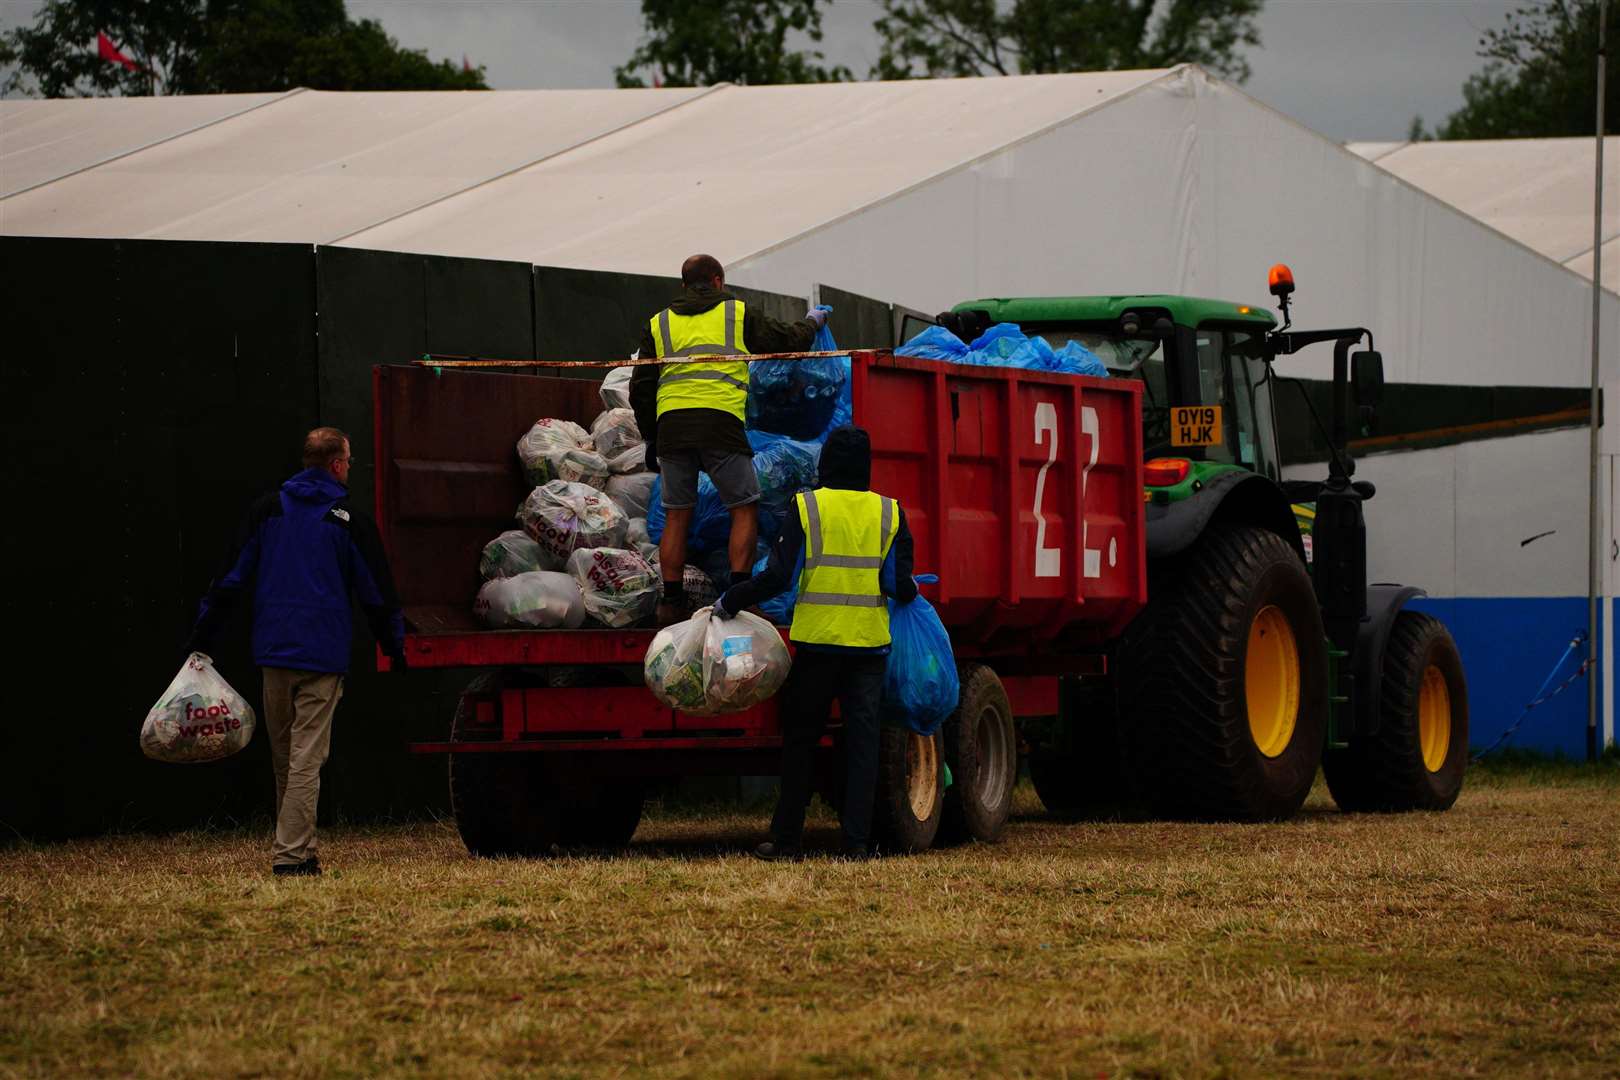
1416 759
910 790
1226 685
981 750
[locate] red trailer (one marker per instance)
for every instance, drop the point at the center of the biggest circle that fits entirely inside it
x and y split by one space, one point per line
1024 494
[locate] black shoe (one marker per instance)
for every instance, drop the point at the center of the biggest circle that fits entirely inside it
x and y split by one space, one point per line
771 851
858 853
310 867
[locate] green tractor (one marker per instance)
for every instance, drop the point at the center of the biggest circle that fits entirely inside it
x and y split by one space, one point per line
1263 651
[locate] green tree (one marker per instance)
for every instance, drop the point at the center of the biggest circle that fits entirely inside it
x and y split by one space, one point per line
703 42
217 46
992 37
1540 76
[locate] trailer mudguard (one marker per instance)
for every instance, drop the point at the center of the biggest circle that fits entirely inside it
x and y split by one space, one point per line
1241 496
1384 603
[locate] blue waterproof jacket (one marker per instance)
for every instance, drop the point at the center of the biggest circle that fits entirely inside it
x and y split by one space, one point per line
301 552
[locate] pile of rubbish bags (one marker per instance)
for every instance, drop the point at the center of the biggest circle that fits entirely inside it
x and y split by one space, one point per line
575 560
1004 345
708 666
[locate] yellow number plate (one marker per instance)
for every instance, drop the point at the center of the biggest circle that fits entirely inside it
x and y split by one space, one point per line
1195 425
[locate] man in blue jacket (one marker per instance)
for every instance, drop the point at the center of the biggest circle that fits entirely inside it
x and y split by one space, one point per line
855 547
300 553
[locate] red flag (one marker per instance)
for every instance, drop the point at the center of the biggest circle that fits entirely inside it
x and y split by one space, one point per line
109 52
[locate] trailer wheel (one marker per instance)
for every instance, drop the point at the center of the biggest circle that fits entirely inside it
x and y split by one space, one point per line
1416 759
910 790
501 802
1227 685
981 749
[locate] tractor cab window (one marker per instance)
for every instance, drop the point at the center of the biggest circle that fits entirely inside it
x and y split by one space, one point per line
1139 358
1232 374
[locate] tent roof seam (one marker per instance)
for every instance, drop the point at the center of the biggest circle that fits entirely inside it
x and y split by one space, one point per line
278 99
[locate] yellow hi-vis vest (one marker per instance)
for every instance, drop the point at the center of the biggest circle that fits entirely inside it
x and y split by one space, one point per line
702 384
847 535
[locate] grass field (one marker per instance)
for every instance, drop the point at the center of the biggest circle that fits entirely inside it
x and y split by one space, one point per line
1484 941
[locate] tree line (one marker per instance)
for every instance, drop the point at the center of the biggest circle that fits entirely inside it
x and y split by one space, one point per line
1538 77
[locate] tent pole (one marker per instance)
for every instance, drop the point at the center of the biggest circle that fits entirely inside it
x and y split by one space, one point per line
1597 301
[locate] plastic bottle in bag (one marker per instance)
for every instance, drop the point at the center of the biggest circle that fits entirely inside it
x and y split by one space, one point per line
620 587
512 553
563 518
708 666
198 718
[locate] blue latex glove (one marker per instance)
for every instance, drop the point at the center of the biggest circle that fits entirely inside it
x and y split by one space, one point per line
818 315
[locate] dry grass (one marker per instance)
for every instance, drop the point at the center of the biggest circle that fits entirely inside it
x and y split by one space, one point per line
1483 941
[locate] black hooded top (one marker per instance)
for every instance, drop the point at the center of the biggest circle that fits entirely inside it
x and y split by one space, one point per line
846 463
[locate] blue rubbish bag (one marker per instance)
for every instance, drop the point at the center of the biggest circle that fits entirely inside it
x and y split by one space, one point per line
711 521
798 398
1076 359
920 686
935 343
785 466
996 344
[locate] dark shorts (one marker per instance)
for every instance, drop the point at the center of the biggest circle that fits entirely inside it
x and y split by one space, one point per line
732 473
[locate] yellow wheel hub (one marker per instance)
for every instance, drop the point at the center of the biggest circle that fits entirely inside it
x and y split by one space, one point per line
1434 718
1271 681
922 774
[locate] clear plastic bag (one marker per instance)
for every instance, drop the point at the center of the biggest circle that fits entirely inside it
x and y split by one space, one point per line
563 518
708 666
615 389
537 600
620 587
561 450
512 553
198 718
615 432
920 686
636 533
633 493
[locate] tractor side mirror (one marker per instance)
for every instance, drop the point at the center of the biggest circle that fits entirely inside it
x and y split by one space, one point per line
1367 377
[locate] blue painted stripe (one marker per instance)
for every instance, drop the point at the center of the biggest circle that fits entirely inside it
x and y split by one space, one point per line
1508 646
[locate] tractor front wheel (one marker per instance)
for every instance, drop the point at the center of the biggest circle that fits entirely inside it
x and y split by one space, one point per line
1416 759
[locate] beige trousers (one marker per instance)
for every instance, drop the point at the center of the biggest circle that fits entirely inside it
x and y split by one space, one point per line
298 708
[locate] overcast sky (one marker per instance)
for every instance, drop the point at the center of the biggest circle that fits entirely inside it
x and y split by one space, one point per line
1351 69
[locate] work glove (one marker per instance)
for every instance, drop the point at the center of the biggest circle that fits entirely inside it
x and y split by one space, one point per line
720 612
818 316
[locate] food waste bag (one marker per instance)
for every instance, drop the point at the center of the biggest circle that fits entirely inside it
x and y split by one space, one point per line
708 666
563 518
537 600
198 718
